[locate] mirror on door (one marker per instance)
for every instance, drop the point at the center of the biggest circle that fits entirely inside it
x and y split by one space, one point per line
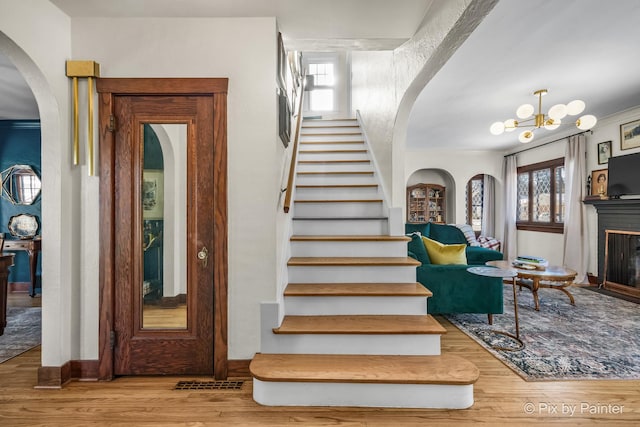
164 226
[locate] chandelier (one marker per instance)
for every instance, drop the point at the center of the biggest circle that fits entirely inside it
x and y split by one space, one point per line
551 121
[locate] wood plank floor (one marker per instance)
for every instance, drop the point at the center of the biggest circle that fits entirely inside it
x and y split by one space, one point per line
501 398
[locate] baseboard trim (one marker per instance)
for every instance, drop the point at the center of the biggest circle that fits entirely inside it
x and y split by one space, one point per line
56 377
238 368
19 287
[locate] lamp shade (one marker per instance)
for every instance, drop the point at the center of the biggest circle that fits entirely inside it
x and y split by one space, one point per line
586 122
510 125
575 107
497 128
552 124
526 136
558 111
524 111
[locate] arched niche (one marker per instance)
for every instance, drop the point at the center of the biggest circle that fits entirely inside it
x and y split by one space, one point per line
439 177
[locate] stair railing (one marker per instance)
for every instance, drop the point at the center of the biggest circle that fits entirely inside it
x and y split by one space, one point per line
294 155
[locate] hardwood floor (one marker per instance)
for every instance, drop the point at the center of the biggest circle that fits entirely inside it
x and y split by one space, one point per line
501 398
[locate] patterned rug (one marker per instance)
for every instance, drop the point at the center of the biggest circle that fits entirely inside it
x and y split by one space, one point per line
22 332
598 338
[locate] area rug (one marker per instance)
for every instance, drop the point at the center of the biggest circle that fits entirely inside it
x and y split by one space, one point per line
22 332
598 338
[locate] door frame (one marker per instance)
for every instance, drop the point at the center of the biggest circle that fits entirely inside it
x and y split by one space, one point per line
107 89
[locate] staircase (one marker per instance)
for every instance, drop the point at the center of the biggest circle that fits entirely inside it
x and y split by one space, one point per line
355 330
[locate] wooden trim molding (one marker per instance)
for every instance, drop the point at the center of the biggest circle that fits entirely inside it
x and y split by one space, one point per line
239 368
57 376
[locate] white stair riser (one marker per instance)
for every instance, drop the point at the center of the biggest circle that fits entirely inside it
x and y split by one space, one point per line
318 227
363 395
329 130
316 137
327 123
352 274
341 209
334 167
341 179
385 344
349 305
358 145
337 193
319 155
348 249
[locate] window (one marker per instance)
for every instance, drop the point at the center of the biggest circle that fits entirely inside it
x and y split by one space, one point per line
475 196
541 197
321 97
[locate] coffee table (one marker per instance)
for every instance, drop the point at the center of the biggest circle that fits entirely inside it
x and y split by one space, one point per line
504 273
552 277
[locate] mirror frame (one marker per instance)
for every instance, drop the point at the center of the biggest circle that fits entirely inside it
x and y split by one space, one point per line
7 184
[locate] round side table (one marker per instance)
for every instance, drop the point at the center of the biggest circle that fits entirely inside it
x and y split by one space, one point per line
504 274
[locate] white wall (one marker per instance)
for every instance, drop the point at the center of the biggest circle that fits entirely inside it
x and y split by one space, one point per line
35 35
462 166
245 51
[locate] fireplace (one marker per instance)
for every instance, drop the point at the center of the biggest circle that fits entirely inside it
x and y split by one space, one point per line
622 262
619 227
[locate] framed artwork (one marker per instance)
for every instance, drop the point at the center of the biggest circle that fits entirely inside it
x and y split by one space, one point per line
599 181
604 152
284 118
630 135
153 194
282 62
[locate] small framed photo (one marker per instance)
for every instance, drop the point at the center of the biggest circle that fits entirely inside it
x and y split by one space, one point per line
630 135
604 152
152 194
599 181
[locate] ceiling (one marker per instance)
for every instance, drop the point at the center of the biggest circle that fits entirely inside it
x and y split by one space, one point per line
574 48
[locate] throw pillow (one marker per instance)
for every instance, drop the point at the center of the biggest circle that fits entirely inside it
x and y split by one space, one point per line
469 234
416 247
445 254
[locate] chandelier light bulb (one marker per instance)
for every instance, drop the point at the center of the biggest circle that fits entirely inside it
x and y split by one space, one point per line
526 136
575 107
558 111
510 125
497 128
552 124
524 111
586 122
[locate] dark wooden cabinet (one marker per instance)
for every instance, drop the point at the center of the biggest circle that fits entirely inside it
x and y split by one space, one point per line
6 261
426 203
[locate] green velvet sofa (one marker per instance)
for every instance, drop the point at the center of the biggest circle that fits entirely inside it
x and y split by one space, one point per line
454 289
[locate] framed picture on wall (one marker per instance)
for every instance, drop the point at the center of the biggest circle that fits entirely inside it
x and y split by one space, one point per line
604 152
599 181
630 135
152 194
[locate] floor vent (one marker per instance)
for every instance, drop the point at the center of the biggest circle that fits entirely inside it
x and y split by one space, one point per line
209 385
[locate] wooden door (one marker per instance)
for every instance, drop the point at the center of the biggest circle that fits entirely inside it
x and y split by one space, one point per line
164 290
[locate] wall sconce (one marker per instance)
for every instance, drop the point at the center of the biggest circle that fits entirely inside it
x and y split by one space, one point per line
88 70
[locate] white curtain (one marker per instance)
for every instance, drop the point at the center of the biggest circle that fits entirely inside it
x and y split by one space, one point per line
510 175
488 207
575 220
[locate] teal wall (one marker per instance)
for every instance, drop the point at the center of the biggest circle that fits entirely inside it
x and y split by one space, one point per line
20 144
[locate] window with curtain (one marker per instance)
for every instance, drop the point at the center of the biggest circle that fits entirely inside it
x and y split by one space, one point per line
475 197
541 196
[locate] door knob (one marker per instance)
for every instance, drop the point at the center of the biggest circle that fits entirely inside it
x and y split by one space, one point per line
203 255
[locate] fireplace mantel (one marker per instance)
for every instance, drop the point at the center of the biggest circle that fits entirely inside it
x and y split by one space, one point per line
614 214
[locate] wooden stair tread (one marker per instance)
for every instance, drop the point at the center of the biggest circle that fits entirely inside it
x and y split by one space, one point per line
332 142
337 173
331 151
362 324
338 186
341 201
331 134
442 369
321 162
356 290
352 261
349 238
